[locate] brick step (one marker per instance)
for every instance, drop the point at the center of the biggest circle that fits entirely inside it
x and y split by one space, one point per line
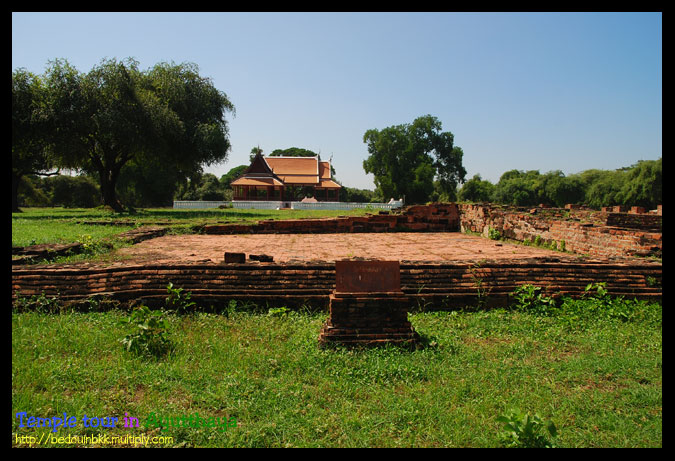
358 343
364 330
355 335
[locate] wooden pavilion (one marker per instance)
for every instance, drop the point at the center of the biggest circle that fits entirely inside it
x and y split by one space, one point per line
286 179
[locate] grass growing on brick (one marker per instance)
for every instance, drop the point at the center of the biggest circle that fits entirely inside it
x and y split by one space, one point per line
598 378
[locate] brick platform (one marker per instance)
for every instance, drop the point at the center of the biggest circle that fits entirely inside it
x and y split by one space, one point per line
438 269
368 307
368 320
287 248
432 285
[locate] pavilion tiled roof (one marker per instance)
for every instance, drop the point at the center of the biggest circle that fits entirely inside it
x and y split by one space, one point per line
329 184
252 181
294 166
289 171
324 170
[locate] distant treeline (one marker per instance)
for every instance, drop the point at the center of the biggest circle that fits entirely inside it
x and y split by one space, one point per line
637 185
138 189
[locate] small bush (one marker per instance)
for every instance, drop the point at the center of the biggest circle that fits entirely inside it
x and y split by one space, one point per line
178 300
150 335
37 303
278 312
526 431
595 305
93 247
529 298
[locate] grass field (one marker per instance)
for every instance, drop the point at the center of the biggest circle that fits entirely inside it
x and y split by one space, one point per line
596 374
65 225
87 225
592 367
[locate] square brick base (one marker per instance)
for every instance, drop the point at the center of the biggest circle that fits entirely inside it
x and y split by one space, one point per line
358 319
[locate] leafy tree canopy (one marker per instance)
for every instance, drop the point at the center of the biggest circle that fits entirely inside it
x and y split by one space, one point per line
234 173
477 190
644 184
116 113
32 132
293 152
406 159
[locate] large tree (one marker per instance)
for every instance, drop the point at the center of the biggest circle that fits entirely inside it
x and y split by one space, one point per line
299 152
234 173
644 184
406 159
31 130
293 152
201 109
116 114
559 190
519 188
477 190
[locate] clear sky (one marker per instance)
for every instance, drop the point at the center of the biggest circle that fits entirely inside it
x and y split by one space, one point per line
527 91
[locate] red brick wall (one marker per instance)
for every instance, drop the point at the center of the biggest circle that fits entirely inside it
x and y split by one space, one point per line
440 285
434 218
592 233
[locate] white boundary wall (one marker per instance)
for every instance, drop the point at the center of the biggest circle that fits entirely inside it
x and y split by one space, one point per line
344 205
201 204
198 204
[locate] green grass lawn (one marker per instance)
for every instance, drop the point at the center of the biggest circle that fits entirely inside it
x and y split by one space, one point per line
175 216
593 367
66 225
597 377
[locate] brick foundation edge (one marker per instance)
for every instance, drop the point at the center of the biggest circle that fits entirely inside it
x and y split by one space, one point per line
427 285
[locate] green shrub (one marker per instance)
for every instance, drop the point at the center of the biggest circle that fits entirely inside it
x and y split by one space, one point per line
150 335
526 431
37 303
278 311
529 298
595 305
178 300
92 247
494 234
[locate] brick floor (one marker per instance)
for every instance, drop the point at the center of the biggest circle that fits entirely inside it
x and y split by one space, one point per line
437 247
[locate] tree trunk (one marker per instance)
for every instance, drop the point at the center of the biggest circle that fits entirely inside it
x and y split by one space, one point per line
108 181
16 179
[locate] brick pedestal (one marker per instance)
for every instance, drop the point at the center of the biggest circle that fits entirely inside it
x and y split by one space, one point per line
360 319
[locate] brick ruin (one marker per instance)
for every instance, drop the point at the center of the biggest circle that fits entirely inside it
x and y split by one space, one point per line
609 239
606 234
418 218
428 285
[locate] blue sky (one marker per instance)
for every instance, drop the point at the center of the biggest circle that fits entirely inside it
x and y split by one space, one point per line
527 91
